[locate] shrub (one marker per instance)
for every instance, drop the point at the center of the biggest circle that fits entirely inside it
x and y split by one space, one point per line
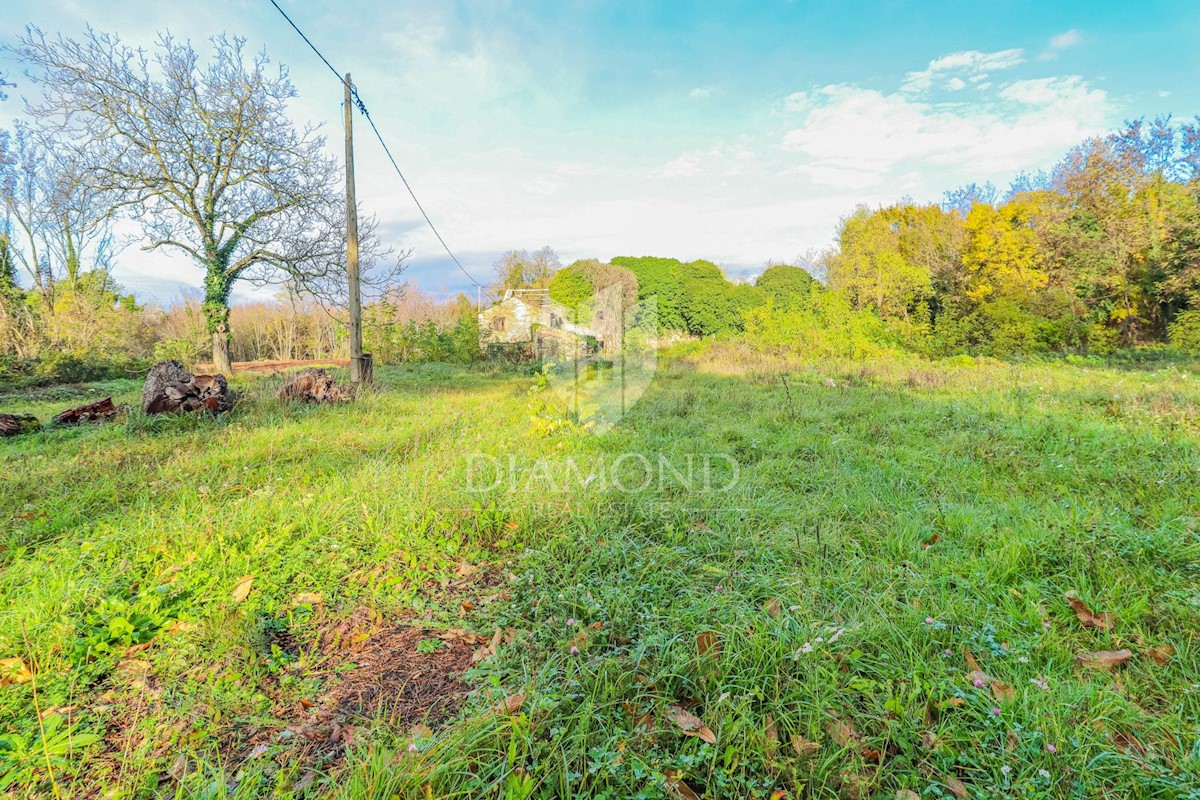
1184 332
824 325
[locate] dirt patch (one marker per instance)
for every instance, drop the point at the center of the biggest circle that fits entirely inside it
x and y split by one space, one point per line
273 367
381 673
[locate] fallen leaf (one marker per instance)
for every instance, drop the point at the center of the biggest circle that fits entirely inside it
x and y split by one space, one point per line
466 605
771 732
465 570
690 724
420 731
678 788
708 643
842 733
13 670
804 747
513 703
241 590
1003 692
957 788
1162 654
1088 617
1128 743
929 740
779 794
645 720
178 767
773 607
1104 659
308 599
907 794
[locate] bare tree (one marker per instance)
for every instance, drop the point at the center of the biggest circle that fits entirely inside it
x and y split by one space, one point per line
206 158
58 227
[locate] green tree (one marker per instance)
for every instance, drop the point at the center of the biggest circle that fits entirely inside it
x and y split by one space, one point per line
784 284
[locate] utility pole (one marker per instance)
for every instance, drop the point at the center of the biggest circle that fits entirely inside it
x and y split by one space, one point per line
357 372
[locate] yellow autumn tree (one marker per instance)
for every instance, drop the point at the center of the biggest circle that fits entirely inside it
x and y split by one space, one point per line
1002 256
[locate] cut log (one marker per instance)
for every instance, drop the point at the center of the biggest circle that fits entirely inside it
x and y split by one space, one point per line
100 411
162 375
14 424
172 389
314 386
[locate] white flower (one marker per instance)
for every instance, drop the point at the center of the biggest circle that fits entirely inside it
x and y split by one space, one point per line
1044 773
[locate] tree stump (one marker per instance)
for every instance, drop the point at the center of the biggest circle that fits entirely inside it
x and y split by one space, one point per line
314 386
170 388
162 375
14 424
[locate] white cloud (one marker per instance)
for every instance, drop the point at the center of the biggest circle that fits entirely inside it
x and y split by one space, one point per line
973 65
956 84
854 133
1060 42
684 166
699 93
797 102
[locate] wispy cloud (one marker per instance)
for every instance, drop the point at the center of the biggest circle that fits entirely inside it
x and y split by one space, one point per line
700 92
951 70
1059 43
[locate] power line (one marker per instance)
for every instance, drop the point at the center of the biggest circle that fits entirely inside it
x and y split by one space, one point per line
362 107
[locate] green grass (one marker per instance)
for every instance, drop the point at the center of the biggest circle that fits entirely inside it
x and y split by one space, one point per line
890 521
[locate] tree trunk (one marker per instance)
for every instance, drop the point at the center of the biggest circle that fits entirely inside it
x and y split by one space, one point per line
216 314
220 353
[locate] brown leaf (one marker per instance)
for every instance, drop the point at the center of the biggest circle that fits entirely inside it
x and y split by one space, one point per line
465 570
13 670
907 794
771 732
773 607
308 598
465 606
690 724
678 788
1162 654
708 643
842 733
803 747
1128 743
1003 692
241 589
779 794
972 663
1104 659
957 788
929 740
513 703
178 767
645 720
1087 617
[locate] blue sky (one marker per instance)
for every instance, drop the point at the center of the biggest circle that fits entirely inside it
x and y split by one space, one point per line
737 132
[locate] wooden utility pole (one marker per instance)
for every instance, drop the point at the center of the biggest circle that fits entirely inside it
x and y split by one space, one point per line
359 372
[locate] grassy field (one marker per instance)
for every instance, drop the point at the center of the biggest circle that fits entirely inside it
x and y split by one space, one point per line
769 581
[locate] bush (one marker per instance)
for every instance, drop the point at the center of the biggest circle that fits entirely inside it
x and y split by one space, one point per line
1184 332
822 326
180 350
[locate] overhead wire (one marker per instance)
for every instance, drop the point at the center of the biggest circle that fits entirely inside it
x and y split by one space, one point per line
362 107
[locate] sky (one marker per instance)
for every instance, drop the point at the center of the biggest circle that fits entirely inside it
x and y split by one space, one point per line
738 132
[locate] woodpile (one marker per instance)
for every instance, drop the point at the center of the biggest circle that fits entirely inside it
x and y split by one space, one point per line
314 386
13 424
170 388
100 411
